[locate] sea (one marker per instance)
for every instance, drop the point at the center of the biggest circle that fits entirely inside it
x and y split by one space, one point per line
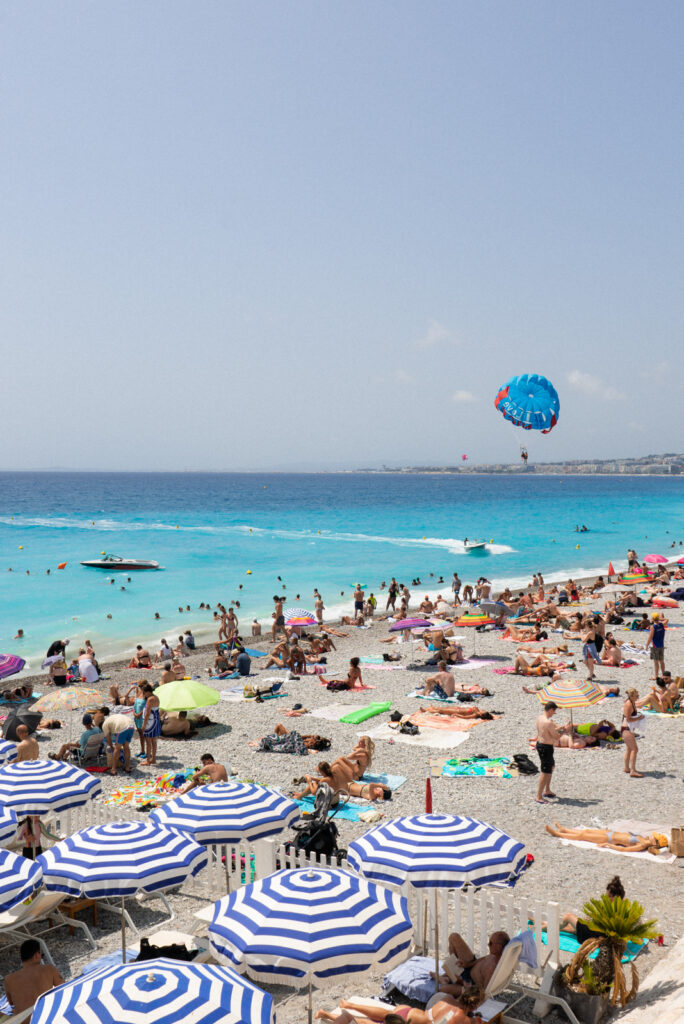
246 537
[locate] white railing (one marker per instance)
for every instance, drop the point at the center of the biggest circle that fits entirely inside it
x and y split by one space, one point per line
474 914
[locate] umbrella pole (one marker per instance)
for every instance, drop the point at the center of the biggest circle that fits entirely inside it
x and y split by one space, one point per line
310 1002
436 943
123 932
227 867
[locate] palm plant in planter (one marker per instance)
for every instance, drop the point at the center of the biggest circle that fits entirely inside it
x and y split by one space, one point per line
617 922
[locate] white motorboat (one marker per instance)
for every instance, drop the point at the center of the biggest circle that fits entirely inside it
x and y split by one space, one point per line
472 546
117 564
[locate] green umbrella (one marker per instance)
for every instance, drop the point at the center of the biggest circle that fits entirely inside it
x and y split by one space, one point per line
185 695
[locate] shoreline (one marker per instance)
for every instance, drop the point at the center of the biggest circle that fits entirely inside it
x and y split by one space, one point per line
118 661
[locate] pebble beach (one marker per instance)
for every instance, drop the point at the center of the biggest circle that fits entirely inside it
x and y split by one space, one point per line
591 787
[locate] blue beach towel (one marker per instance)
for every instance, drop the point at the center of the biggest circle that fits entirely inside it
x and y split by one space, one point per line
384 779
569 944
350 812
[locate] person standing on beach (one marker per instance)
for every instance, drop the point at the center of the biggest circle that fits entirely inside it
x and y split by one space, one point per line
392 592
358 601
456 587
656 642
319 608
589 652
548 737
278 618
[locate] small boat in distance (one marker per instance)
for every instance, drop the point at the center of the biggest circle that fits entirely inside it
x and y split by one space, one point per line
474 545
117 564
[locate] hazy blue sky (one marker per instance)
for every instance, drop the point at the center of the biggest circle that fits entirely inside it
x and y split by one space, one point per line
263 235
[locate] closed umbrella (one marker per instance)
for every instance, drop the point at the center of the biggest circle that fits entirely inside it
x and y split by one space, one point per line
185 695
227 812
437 851
120 859
19 879
8 825
38 787
305 926
10 664
158 991
8 752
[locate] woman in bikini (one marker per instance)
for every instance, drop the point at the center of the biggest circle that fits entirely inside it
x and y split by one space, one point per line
654 842
446 1011
631 719
540 666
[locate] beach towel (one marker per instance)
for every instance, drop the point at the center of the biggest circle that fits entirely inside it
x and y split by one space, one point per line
569 944
447 722
440 739
507 670
350 811
332 712
471 663
475 767
385 667
151 792
384 779
436 700
663 857
662 714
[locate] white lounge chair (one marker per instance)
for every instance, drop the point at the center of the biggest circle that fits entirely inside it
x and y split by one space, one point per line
43 910
495 1010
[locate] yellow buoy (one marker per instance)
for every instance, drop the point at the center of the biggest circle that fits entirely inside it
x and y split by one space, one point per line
103 552
491 540
21 547
249 572
577 547
178 527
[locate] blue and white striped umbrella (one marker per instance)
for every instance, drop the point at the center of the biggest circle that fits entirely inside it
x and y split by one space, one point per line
19 879
8 824
156 992
38 787
227 812
8 751
438 851
304 926
120 858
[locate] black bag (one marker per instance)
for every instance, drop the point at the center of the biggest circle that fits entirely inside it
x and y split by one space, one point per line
525 765
409 728
174 951
465 698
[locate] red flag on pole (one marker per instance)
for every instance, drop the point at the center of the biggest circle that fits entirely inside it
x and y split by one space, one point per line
611 570
428 792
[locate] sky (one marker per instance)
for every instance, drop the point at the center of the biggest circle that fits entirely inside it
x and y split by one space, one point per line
304 235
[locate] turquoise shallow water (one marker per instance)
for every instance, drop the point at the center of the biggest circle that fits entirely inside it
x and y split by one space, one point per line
312 530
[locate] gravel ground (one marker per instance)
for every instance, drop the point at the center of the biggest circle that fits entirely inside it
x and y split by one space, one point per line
591 786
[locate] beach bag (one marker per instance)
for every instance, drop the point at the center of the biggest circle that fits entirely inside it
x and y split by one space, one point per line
465 698
525 765
677 841
409 729
339 684
172 951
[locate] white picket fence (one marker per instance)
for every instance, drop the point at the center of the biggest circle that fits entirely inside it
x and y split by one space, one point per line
475 914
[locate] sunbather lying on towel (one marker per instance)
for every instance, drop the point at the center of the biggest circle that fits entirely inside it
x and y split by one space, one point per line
653 843
446 1011
539 666
458 712
286 741
559 649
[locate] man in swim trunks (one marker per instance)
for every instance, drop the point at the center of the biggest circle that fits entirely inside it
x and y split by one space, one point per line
209 772
278 618
477 971
548 736
442 684
358 601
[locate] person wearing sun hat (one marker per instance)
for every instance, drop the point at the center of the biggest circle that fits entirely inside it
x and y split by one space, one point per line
656 643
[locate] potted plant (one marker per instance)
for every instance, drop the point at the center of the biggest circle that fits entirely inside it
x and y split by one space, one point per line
591 986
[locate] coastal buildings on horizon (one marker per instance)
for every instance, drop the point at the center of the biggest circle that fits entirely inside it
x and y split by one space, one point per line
651 465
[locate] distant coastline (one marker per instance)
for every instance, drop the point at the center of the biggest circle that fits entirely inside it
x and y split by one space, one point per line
648 465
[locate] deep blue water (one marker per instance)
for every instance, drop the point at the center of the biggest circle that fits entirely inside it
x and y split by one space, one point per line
313 530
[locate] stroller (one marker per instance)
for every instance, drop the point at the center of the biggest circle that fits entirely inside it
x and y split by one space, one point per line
317 835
